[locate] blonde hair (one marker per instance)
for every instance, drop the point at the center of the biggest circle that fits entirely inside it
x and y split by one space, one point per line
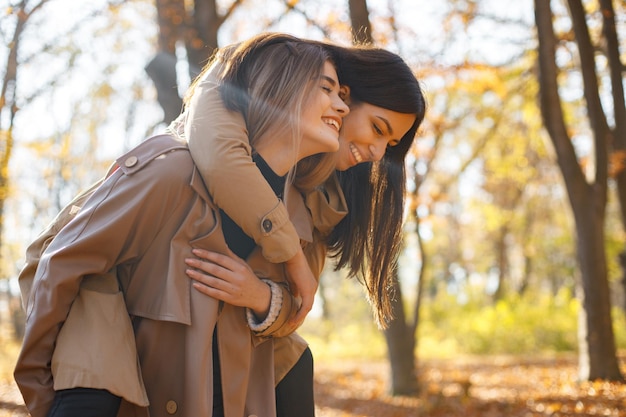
269 78
314 170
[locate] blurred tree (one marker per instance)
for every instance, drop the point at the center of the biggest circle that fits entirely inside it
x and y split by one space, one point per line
491 207
484 125
194 24
400 332
516 174
64 159
588 197
23 11
617 164
401 342
360 23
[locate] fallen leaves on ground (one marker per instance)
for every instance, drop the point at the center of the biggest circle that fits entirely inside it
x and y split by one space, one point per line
11 403
485 387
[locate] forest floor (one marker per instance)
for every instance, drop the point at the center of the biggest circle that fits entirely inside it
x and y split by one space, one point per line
485 387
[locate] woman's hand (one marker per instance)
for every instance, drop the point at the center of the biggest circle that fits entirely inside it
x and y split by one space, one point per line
229 279
303 284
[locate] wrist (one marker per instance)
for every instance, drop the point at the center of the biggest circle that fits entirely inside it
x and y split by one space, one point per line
297 257
262 308
276 302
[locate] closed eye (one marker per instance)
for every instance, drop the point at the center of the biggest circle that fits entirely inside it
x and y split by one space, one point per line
328 84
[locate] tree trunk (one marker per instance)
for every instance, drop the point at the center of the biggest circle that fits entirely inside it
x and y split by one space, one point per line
400 347
201 35
400 335
8 107
171 17
162 70
588 201
198 31
502 262
622 263
597 359
360 22
619 110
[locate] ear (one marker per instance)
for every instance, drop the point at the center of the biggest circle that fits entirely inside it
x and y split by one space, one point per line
344 94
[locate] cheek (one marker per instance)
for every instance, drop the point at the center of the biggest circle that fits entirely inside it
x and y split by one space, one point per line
315 106
350 130
324 102
360 134
342 160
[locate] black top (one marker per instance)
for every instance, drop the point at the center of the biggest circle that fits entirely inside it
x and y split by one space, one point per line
239 242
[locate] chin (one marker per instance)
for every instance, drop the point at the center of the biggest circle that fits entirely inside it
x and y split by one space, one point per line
333 146
341 165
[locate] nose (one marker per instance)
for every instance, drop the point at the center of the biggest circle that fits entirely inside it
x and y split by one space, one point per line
378 150
339 106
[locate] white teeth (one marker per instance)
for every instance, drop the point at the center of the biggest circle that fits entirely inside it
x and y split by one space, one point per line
332 122
356 153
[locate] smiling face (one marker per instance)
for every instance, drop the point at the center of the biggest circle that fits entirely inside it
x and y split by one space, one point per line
322 115
366 133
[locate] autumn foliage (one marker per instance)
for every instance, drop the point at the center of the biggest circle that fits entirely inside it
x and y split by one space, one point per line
489 386
485 386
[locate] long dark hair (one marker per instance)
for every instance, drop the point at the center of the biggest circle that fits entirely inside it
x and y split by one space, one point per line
368 240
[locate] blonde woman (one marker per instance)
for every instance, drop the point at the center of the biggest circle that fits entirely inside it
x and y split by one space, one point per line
139 225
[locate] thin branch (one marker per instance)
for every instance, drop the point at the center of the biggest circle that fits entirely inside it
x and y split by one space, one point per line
221 19
325 31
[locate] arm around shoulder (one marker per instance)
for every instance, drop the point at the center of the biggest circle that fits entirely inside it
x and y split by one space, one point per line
219 145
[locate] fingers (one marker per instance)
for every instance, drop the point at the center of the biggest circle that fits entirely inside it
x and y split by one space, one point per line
210 291
208 285
298 319
216 258
211 276
224 278
209 280
200 268
290 327
228 261
307 299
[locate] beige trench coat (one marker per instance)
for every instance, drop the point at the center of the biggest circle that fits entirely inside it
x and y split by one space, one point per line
144 219
317 214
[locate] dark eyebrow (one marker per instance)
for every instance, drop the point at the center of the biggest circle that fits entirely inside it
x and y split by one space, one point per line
386 122
330 80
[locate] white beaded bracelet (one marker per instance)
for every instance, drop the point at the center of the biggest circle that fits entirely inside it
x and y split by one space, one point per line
276 303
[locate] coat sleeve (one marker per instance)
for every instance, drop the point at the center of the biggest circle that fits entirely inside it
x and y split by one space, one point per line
325 208
315 253
219 146
116 225
39 245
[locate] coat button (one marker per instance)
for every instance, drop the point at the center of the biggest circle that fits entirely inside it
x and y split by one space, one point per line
171 407
130 161
267 225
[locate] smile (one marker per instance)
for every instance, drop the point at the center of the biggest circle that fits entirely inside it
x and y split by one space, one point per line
356 153
332 122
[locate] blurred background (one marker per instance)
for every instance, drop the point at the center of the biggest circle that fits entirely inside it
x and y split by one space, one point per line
514 237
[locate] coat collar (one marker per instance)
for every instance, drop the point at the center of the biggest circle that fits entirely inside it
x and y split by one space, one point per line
321 209
148 150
